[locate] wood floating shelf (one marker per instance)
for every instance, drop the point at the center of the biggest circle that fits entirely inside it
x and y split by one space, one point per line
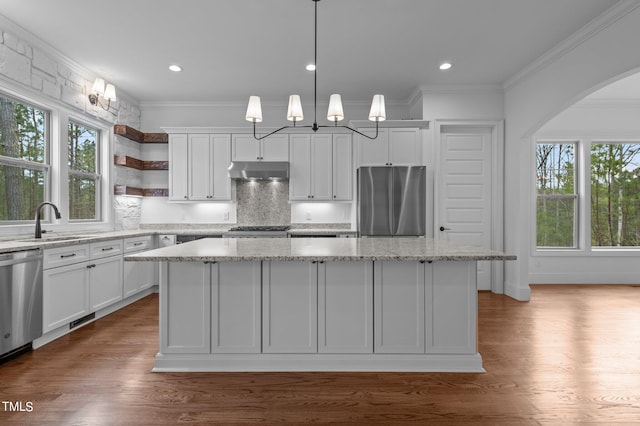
138 136
134 163
140 192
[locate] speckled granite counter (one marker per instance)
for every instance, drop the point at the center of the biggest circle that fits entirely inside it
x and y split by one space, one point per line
319 249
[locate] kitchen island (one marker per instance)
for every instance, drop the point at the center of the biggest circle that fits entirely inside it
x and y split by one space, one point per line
318 304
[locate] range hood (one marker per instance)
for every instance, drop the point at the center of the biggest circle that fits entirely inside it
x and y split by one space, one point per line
259 170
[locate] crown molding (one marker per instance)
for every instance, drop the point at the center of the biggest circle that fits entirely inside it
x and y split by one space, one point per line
605 20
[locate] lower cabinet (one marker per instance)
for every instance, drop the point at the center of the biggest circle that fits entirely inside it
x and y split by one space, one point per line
65 295
138 276
79 280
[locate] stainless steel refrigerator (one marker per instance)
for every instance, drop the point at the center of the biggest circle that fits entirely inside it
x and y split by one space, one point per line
392 201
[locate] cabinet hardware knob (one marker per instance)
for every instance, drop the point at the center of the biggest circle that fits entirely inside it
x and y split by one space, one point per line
442 228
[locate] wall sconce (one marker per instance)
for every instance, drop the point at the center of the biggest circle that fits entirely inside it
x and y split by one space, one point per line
98 89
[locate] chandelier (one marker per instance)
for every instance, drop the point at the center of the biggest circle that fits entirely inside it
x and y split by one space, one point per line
335 112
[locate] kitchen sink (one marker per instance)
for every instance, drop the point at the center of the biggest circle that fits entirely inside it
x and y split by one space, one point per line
51 239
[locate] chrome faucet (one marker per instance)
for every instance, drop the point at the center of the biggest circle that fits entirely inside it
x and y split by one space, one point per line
55 209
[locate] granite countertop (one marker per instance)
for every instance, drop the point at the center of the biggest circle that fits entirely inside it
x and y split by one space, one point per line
319 249
321 231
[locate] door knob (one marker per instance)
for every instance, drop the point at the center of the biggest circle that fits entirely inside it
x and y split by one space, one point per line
442 228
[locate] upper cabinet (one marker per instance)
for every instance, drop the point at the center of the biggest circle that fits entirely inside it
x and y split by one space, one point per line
392 147
273 148
320 167
198 167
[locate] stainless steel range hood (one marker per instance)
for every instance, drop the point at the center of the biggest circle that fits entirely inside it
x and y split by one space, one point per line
259 170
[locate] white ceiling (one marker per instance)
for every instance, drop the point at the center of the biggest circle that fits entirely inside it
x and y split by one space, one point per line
230 49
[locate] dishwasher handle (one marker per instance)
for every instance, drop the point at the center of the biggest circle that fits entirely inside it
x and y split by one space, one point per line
20 257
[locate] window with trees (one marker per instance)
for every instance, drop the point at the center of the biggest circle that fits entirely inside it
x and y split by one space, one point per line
600 177
84 172
556 209
24 161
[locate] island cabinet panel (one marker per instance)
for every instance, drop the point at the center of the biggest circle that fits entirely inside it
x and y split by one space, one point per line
451 299
399 307
185 308
235 307
289 307
345 307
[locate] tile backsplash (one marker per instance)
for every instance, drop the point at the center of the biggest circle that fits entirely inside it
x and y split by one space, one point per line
263 203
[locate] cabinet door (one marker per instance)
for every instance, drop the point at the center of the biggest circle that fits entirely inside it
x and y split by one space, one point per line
235 307
185 319
245 148
65 295
451 300
405 147
299 176
221 183
275 148
146 274
399 307
345 307
374 152
178 167
130 280
342 168
200 160
289 307
321 167
105 277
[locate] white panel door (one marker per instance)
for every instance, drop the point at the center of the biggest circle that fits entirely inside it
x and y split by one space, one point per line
345 307
299 175
105 278
405 147
275 148
65 295
342 167
321 167
221 183
178 167
200 158
399 307
245 148
374 152
290 307
465 176
235 307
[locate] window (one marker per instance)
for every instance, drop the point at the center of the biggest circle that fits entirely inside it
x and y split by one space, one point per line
24 168
556 204
615 194
589 188
84 173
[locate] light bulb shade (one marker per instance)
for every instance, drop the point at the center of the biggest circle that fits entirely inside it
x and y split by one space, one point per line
294 112
335 112
110 92
254 109
98 87
377 112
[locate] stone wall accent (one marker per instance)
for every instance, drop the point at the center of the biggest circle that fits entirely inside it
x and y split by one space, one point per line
50 76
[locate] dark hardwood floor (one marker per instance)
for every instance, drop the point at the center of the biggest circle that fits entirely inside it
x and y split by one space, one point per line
570 356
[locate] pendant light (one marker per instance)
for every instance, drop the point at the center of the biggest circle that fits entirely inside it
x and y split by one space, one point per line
335 112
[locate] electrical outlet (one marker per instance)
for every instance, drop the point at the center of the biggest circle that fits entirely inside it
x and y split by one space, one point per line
307 215
226 216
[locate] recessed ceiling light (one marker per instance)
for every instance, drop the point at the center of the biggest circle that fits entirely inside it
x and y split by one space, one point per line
445 66
311 67
175 68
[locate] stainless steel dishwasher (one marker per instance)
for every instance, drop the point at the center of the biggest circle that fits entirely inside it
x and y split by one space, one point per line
20 301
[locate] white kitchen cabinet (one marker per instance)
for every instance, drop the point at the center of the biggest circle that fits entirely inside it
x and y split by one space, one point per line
65 295
311 174
345 307
320 167
105 281
209 157
342 167
185 308
289 307
178 167
399 308
273 148
235 314
392 147
138 275
80 279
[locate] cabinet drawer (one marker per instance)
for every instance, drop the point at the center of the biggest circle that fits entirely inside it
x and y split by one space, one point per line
106 249
68 255
137 244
